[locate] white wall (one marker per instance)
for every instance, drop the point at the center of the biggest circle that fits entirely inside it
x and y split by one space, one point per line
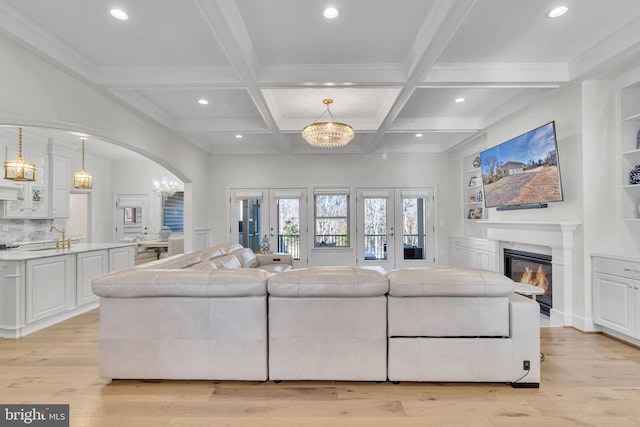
36 93
281 171
587 129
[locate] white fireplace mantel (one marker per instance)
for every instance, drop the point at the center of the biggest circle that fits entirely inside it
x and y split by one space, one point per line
559 236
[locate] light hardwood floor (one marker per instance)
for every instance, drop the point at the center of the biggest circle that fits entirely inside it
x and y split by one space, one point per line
587 380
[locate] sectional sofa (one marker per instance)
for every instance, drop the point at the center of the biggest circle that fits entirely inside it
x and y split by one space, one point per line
225 313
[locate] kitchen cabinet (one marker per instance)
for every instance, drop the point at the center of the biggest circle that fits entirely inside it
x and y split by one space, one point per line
89 265
32 197
616 296
50 284
39 288
60 165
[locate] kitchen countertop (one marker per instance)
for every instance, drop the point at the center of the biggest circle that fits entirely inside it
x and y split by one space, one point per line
22 254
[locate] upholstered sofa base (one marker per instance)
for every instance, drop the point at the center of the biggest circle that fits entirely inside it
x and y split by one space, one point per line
328 339
472 359
223 338
328 323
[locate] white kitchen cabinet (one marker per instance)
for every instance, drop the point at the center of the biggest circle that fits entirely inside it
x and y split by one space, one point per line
49 286
121 258
60 165
33 198
41 288
89 265
616 296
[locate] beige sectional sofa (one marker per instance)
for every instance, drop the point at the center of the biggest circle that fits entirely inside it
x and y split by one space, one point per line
328 323
200 315
226 313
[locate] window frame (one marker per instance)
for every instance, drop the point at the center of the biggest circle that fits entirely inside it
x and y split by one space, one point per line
346 218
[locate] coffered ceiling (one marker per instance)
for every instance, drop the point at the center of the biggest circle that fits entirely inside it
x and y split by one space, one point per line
393 68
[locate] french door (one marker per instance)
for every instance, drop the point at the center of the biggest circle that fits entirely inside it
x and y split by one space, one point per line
277 216
395 227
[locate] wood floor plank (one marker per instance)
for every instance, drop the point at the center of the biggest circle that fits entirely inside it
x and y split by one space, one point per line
587 380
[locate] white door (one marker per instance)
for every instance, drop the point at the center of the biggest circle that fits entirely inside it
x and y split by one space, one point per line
130 215
288 224
375 227
415 233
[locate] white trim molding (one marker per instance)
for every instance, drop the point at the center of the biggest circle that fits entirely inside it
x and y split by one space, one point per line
558 237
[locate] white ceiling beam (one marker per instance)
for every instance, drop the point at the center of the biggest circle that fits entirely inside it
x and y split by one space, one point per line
615 48
36 40
162 77
138 102
226 24
335 74
203 126
467 124
438 28
498 73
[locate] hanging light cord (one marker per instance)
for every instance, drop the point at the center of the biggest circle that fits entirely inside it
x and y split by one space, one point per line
83 140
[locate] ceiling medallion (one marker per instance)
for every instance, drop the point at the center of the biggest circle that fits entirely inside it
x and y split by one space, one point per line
331 134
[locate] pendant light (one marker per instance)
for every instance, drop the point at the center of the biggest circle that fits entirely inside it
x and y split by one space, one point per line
19 169
82 179
330 134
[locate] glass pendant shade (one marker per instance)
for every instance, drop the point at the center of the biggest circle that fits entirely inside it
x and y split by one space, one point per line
82 179
19 169
331 134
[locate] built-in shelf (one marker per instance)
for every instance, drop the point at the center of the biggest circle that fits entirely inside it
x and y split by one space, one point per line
472 191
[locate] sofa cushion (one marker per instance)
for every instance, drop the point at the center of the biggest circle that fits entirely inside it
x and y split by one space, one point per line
136 282
227 261
174 262
448 282
275 268
246 257
328 281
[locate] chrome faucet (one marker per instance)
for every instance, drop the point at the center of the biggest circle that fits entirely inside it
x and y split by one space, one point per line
63 244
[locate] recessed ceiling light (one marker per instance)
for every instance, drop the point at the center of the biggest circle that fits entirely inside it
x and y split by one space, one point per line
418 135
330 13
459 100
238 136
558 11
119 14
202 101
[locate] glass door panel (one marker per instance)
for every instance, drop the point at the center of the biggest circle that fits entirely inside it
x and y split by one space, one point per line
416 222
375 228
288 228
247 216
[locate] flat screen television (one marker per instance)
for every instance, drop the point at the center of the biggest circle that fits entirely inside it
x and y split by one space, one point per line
523 172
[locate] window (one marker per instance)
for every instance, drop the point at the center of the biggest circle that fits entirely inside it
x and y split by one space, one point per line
173 212
332 220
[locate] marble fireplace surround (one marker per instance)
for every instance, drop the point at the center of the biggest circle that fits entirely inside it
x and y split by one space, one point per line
544 237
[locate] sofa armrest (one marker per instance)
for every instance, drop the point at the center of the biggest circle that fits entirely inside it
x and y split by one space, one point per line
525 334
276 258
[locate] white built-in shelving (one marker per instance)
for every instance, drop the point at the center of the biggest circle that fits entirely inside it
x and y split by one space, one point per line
472 193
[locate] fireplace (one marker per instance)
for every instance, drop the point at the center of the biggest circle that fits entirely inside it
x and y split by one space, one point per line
532 269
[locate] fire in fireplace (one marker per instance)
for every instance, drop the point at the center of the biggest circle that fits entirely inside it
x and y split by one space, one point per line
532 269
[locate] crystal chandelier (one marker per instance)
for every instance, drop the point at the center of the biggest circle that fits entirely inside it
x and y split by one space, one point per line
165 188
82 179
19 169
331 134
